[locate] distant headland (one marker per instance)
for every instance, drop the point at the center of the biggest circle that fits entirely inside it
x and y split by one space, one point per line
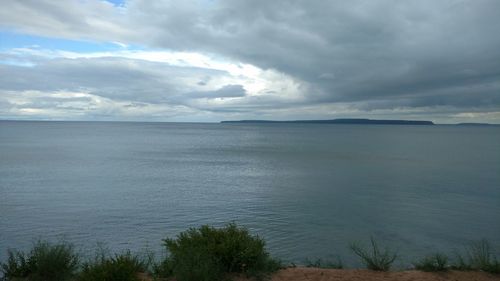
359 121
477 124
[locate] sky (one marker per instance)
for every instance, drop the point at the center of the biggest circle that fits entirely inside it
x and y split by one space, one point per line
213 60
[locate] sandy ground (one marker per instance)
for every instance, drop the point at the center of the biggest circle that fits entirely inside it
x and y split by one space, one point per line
317 274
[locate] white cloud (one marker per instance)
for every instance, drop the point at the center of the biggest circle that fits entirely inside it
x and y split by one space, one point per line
90 20
136 83
387 56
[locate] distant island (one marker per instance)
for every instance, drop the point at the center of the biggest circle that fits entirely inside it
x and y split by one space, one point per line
477 124
359 121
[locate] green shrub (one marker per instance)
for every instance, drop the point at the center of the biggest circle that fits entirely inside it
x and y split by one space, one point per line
16 267
320 263
44 262
207 254
374 259
494 267
124 267
163 269
478 256
435 262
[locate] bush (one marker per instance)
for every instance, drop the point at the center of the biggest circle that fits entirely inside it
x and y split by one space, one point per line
209 254
320 263
374 259
44 262
124 267
16 267
478 256
436 262
493 267
163 269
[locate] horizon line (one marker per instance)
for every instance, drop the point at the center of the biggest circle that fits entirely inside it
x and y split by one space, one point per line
248 121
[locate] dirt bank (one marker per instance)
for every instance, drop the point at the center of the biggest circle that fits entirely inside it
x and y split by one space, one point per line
316 274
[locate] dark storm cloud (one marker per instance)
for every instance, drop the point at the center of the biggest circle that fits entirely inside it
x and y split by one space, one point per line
352 51
372 55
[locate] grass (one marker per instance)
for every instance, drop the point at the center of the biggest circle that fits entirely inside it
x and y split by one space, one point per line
433 263
320 263
478 256
208 254
54 262
17 266
375 258
123 267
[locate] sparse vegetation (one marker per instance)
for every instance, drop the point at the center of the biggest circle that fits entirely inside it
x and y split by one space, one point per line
478 256
123 267
54 262
433 263
374 259
208 253
320 263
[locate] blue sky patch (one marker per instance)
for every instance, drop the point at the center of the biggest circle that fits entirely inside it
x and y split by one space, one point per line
119 3
10 40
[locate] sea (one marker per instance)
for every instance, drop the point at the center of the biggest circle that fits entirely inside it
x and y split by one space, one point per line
309 190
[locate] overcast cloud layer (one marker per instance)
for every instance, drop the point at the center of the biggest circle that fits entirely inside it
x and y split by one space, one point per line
233 59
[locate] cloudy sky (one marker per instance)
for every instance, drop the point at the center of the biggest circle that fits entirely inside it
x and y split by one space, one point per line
212 60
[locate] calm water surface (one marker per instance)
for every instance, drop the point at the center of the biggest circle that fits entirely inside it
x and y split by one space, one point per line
309 190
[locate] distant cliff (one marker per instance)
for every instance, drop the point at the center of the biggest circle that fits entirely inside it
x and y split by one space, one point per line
342 121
